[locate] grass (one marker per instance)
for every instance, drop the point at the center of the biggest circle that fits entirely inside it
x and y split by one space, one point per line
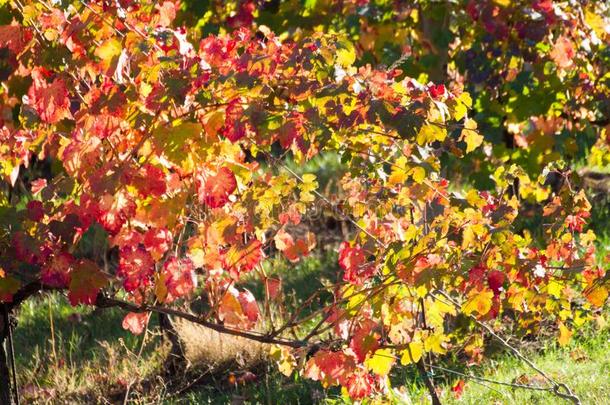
583 366
272 388
65 353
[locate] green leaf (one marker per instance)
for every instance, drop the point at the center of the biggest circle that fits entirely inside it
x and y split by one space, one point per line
310 4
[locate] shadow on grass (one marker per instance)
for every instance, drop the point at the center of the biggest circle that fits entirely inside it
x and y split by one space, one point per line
302 279
75 334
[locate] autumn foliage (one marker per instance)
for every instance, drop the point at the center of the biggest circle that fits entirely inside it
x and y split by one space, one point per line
146 161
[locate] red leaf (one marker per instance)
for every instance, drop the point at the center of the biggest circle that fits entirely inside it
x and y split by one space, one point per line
35 210
234 129
179 278
136 266
238 309
437 91
14 37
495 279
476 275
38 185
291 249
244 15
215 190
458 388
85 283
575 222
50 101
353 261
563 52
248 305
135 322
545 7
360 385
114 211
56 272
167 13
364 341
157 241
291 134
330 368
272 287
291 215
150 181
26 248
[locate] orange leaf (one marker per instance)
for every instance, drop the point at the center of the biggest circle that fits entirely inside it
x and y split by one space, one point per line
50 100
598 295
563 52
479 302
241 258
565 335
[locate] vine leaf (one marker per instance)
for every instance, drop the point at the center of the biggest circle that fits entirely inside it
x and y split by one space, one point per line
86 281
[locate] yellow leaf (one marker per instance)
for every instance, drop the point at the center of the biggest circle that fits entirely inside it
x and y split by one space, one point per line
464 102
434 344
398 176
459 111
473 198
596 22
197 256
466 99
418 174
471 234
421 291
430 133
346 53
555 288
479 302
284 359
587 237
212 122
108 51
177 143
308 185
381 362
436 312
471 136
412 354
309 178
565 335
